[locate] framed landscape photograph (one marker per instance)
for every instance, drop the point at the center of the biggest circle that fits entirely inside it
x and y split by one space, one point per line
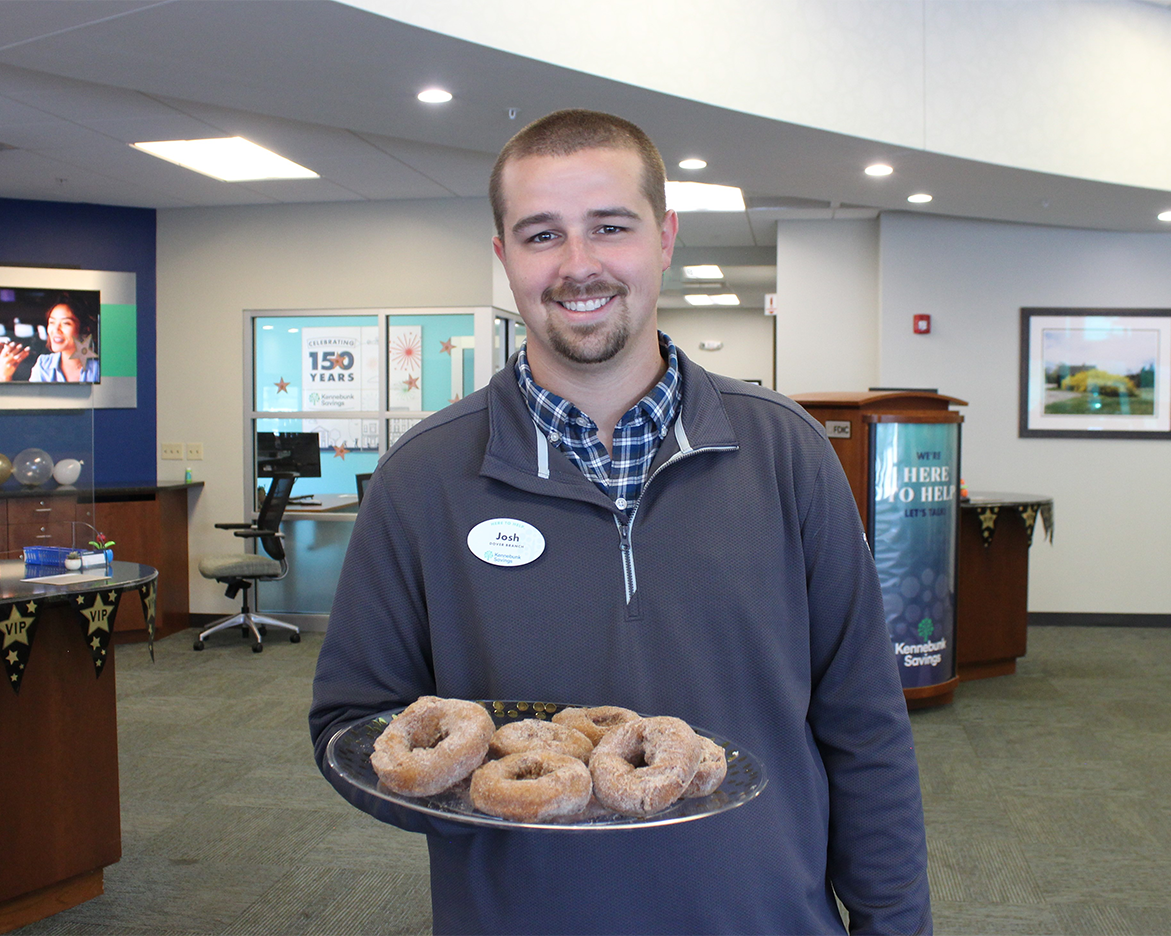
1096 373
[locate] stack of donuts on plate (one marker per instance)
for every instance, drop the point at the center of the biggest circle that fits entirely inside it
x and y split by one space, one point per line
533 770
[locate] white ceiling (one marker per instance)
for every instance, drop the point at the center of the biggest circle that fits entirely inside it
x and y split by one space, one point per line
333 88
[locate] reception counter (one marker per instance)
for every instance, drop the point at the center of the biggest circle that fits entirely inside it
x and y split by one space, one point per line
59 802
148 524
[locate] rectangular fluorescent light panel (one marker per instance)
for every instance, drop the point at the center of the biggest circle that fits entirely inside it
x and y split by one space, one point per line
705 299
703 271
229 159
700 196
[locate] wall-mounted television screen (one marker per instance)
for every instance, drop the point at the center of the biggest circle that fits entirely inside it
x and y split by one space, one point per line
296 453
49 335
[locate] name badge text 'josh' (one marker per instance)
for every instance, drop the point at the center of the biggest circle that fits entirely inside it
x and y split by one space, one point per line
506 542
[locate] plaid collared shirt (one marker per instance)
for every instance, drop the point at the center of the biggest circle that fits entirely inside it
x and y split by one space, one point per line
636 437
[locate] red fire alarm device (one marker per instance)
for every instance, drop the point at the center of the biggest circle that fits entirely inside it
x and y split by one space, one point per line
922 324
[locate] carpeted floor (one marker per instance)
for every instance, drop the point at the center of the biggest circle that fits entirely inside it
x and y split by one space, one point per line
1045 796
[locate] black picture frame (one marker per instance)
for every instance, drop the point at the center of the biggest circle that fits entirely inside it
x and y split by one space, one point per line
1095 373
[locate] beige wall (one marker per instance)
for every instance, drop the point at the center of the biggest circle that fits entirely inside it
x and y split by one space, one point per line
1113 540
827 306
747 335
1113 516
214 263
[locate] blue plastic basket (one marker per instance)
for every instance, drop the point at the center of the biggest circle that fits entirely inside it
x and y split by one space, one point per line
56 555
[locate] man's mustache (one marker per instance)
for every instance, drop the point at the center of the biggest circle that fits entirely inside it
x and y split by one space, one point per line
565 292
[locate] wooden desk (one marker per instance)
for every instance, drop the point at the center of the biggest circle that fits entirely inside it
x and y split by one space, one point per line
60 825
992 597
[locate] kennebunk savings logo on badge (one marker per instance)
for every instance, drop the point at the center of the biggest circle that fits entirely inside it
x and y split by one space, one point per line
506 542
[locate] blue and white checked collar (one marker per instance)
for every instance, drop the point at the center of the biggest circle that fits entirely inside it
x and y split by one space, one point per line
636 436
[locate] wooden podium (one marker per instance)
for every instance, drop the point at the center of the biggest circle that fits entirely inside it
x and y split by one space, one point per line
900 450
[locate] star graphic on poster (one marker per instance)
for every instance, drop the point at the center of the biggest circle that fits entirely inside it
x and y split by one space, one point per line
454 399
447 346
16 627
339 451
412 382
337 361
96 643
282 386
13 658
84 350
405 351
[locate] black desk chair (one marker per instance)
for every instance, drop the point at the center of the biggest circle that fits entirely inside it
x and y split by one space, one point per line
362 480
238 571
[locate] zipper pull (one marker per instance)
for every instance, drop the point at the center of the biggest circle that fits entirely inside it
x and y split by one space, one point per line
624 536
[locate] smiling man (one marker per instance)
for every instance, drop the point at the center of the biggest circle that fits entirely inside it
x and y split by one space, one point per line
700 555
585 249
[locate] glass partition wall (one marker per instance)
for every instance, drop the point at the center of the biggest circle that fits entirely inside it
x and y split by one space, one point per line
358 379
46 480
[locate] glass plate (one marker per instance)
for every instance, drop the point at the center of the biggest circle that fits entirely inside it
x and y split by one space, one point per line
349 752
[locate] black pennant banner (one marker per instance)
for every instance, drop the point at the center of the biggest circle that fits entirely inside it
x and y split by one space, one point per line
18 624
96 613
987 517
148 594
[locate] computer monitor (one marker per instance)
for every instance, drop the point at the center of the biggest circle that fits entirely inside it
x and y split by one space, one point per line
297 453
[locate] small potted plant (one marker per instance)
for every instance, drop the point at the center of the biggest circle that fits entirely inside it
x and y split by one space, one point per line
73 560
102 545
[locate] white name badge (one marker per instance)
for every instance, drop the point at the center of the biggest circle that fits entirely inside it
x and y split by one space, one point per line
506 542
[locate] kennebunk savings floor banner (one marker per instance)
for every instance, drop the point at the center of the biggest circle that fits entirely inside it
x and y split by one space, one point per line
916 517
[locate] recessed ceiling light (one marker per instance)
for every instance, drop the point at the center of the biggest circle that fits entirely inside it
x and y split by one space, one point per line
692 164
434 96
700 196
920 198
879 169
705 299
229 159
703 271
1165 216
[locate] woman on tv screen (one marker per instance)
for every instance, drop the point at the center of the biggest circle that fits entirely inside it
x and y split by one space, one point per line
71 356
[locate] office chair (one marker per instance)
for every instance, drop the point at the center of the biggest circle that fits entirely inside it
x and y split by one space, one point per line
362 480
239 571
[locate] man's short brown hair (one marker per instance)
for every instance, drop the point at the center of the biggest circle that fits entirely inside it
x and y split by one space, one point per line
563 133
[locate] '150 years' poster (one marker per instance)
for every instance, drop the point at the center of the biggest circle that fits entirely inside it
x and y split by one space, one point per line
916 516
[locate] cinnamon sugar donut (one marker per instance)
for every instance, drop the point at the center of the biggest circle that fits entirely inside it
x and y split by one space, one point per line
643 766
532 786
595 722
530 733
432 745
713 767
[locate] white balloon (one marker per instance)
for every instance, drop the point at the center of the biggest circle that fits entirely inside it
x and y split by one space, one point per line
67 471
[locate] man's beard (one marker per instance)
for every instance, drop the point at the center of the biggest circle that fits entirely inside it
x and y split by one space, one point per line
594 343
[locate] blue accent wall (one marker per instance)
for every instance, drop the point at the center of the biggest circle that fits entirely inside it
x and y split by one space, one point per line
93 237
